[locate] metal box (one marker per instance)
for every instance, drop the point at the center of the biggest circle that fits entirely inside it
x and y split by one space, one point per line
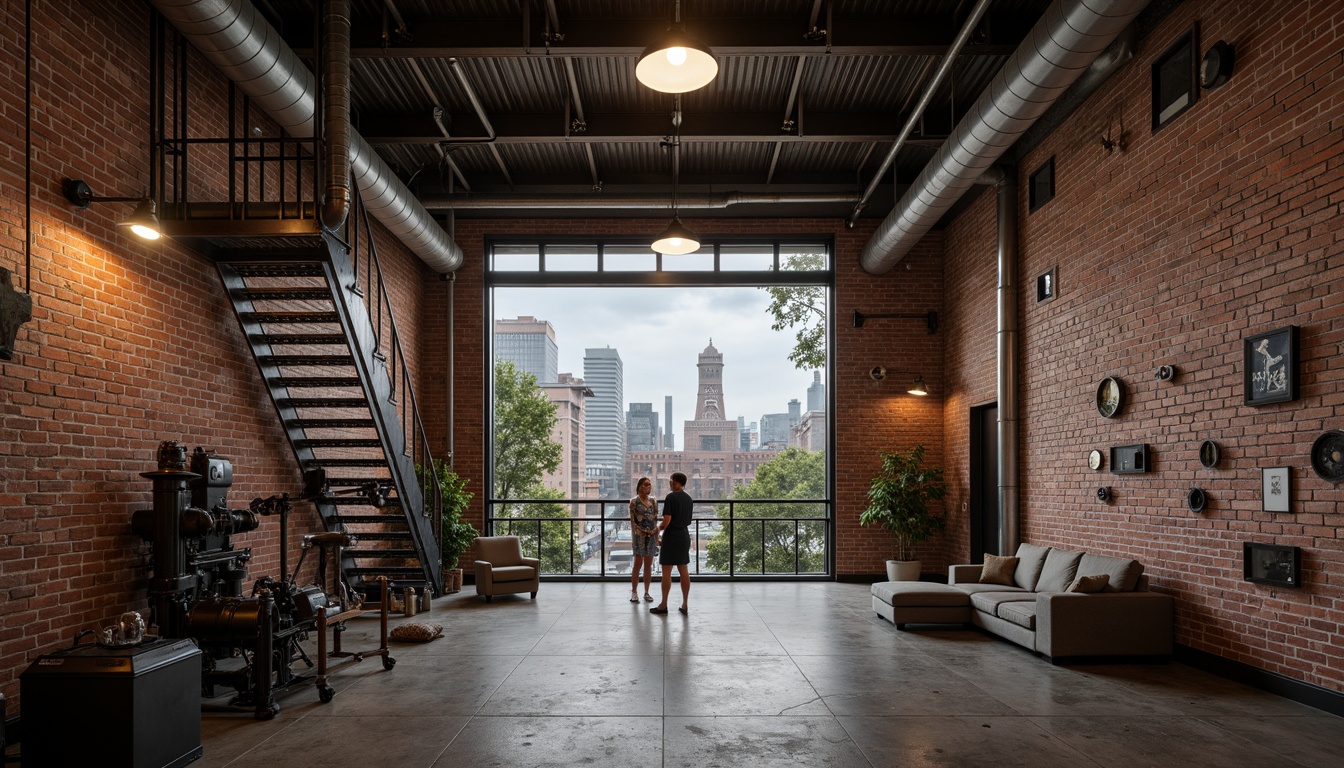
134 707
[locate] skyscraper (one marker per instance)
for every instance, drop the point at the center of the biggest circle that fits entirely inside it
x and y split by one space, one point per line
816 394
530 345
604 373
669 437
641 428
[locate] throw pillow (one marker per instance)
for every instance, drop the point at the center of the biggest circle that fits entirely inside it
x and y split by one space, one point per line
416 632
1089 583
998 570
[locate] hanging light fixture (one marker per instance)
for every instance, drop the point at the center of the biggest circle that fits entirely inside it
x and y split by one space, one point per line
918 388
676 239
676 63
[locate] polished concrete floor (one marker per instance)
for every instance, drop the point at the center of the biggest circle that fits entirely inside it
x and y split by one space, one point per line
759 674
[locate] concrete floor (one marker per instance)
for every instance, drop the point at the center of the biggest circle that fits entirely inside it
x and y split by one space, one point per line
759 674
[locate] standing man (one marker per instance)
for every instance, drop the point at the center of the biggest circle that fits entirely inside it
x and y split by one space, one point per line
676 542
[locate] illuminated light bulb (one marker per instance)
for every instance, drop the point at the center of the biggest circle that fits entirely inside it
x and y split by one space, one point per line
676 56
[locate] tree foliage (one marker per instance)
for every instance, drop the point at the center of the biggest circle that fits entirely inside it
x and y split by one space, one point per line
524 454
524 417
793 474
899 496
803 306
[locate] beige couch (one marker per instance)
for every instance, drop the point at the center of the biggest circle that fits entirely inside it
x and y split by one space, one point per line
1037 612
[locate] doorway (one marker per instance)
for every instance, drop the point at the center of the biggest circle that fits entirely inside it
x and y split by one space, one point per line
984 500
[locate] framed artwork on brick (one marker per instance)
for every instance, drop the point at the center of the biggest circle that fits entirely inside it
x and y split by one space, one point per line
1269 367
1271 564
1276 492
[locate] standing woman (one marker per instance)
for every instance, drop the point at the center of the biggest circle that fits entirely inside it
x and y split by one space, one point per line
677 509
643 537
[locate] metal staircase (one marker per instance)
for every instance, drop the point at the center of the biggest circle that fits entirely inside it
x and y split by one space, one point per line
309 328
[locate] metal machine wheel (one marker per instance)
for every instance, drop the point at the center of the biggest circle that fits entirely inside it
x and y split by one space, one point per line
389 663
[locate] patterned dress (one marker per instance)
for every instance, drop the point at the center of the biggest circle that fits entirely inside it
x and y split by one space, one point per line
644 516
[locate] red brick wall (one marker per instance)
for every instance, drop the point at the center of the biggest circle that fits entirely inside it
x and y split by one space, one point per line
1223 224
131 343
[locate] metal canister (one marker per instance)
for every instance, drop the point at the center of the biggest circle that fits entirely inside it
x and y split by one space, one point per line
426 596
410 601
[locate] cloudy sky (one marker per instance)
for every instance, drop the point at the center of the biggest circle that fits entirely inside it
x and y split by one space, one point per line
660 332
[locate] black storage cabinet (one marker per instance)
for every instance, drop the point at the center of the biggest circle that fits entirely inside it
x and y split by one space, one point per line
113 707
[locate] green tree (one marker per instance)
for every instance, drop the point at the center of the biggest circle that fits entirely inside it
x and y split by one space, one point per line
524 454
803 306
793 474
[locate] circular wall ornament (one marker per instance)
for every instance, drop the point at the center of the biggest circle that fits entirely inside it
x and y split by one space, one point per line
1327 456
1196 499
1110 396
1209 454
1103 494
1094 459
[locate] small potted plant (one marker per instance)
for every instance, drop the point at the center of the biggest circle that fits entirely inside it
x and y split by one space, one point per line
456 534
898 500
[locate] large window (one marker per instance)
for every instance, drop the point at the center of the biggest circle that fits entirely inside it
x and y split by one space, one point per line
712 364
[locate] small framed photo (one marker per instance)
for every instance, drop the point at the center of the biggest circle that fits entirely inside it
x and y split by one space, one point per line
1271 564
1269 367
1276 489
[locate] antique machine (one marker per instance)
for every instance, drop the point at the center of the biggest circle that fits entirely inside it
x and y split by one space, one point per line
249 641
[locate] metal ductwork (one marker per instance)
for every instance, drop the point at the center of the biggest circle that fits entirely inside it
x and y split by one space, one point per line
234 36
336 112
1059 49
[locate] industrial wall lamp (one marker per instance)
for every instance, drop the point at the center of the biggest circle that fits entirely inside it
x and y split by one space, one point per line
878 373
676 63
144 221
930 317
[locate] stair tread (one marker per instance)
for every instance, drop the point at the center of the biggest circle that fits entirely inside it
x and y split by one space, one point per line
315 381
298 339
369 519
338 462
331 424
387 569
338 442
384 536
297 360
400 554
284 294
298 269
354 501
291 317
322 402
346 482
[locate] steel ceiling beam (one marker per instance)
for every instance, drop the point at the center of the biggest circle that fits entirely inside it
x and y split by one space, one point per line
626 127
774 37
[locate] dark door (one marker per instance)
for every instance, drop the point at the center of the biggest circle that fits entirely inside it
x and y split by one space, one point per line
984 502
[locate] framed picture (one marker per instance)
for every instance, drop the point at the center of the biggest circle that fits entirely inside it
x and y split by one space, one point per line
1174 80
1269 367
1276 489
1271 564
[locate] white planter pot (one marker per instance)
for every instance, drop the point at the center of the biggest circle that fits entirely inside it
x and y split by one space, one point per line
902 570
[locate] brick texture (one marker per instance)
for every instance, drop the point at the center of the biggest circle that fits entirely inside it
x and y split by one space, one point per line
1221 225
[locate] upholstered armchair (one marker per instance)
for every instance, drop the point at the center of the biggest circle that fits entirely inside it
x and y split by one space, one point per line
501 568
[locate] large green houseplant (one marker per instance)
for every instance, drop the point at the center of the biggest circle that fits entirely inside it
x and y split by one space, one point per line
455 534
899 501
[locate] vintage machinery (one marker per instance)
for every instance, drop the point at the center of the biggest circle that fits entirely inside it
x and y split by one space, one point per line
249 641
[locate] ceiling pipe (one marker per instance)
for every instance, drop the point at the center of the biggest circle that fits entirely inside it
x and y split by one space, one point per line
632 202
234 36
336 113
949 58
1060 48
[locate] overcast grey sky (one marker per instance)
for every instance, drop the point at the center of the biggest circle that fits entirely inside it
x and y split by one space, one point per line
660 332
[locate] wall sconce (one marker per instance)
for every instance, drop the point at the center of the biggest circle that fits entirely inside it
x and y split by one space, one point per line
878 373
930 317
144 221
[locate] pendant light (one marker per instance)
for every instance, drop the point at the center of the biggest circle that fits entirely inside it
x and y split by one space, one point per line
676 63
676 239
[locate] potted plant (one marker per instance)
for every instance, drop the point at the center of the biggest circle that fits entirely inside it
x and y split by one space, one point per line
455 534
898 500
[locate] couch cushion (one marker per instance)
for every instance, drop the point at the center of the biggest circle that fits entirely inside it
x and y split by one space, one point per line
1030 559
1019 612
1123 572
989 602
972 589
1059 571
919 594
1089 583
998 570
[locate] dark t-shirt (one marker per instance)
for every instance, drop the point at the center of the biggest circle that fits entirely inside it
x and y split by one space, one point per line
679 505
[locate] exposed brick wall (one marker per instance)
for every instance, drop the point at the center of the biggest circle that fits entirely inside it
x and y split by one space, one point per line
1221 225
131 343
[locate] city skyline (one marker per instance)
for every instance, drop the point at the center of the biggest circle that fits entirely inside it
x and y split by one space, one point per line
659 334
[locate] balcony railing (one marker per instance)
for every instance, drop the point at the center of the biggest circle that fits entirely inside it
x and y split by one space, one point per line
729 538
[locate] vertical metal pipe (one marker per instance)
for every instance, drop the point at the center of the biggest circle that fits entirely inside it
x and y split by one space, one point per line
336 113
1009 515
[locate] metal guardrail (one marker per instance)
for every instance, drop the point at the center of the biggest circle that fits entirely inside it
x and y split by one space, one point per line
595 526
